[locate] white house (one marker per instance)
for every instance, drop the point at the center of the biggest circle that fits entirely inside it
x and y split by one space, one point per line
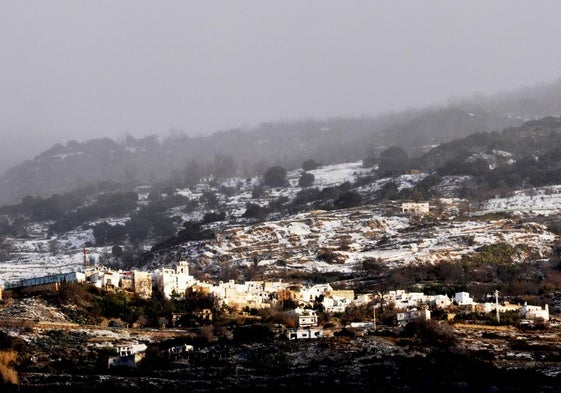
310 294
299 334
415 208
463 298
534 312
250 294
403 318
335 304
439 301
127 356
306 318
174 280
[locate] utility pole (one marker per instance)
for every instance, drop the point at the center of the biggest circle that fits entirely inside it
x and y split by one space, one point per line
85 258
497 305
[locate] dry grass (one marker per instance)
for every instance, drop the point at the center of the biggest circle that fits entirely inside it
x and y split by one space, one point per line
8 373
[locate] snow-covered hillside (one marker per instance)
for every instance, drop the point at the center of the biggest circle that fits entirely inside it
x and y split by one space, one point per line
321 240
354 235
45 254
544 200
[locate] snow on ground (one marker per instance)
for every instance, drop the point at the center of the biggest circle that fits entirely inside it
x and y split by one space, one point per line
545 200
29 265
402 182
46 255
358 234
38 264
353 235
333 175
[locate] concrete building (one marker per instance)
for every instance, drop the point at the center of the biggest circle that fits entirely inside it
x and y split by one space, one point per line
306 317
415 207
335 304
534 312
304 334
128 356
403 318
463 298
311 293
174 280
142 284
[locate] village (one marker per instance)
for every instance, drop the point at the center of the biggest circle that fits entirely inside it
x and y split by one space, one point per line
317 313
176 281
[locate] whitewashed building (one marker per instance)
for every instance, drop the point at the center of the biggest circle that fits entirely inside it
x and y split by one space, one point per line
415 207
335 304
463 298
174 280
303 334
306 317
311 293
534 312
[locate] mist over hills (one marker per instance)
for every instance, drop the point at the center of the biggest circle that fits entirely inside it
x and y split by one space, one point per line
248 152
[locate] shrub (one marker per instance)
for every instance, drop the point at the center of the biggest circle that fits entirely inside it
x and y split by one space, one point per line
275 176
306 180
431 333
8 373
310 165
328 256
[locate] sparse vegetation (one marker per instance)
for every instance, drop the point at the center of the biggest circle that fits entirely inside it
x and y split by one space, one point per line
7 370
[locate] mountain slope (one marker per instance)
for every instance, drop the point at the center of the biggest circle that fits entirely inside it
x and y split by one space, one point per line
236 152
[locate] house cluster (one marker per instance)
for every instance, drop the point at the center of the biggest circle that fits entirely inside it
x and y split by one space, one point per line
416 305
176 282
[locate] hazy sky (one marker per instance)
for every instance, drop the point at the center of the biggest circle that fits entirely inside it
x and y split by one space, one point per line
84 69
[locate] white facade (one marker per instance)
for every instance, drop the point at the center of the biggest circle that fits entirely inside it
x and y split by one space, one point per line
131 349
310 294
534 312
415 208
405 300
300 334
335 304
174 280
403 318
306 318
250 294
439 301
463 298
110 279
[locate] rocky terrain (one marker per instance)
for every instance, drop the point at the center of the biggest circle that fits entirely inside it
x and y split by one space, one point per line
354 235
59 352
313 240
60 356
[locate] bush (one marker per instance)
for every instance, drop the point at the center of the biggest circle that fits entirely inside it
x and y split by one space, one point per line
306 180
275 176
430 333
348 199
213 217
252 333
253 210
8 373
328 256
310 165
